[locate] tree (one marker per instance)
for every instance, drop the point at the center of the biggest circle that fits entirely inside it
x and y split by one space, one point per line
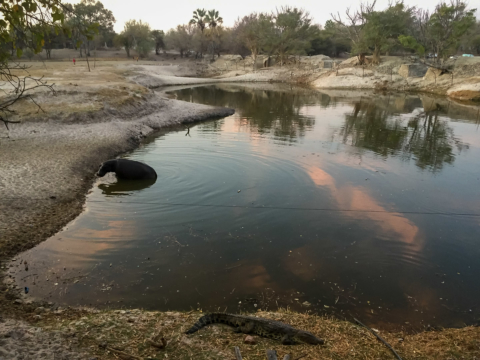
19 24
352 27
383 28
470 42
52 41
138 35
253 31
475 43
123 41
375 31
159 39
104 39
222 39
410 42
235 43
89 13
447 25
199 19
213 20
292 33
180 38
333 40
420 33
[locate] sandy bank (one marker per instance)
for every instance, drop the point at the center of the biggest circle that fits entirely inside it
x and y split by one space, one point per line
159 76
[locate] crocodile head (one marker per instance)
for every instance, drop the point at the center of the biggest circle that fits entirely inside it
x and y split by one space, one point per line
308 338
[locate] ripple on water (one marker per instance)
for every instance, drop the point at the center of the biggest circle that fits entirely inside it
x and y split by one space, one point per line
311 197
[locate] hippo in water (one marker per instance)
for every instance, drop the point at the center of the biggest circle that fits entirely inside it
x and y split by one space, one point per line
127 169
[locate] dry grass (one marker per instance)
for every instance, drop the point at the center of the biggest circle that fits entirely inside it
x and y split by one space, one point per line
77 89
130 331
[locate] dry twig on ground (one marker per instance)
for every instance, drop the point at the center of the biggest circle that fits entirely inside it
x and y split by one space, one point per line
379 338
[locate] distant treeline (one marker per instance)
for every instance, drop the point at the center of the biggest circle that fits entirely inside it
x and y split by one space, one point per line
287 31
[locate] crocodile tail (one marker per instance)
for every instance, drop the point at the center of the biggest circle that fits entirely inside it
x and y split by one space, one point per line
202 322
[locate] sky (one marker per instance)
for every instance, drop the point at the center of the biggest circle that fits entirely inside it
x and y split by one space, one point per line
164 15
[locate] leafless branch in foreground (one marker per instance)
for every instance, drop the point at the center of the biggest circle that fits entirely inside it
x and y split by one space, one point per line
18 87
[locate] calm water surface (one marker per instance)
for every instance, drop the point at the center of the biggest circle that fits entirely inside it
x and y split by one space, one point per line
346 203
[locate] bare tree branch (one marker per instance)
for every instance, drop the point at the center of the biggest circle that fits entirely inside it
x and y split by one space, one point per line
21 88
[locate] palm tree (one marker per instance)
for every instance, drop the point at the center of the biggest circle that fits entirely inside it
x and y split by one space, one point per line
213 20
199 17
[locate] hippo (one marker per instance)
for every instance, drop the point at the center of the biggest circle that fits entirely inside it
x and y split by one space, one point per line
127 169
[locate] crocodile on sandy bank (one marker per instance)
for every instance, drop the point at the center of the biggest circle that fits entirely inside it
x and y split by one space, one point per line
263 327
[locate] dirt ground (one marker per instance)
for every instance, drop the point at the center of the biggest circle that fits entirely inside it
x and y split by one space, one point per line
48 162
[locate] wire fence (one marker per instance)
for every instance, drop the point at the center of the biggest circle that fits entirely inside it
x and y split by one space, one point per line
265 207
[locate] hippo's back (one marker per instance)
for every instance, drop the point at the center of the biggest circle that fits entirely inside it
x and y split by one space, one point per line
134 170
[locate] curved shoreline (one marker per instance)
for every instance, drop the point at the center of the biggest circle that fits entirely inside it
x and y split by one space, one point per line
36 156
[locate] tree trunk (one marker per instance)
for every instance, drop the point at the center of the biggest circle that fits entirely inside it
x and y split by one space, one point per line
181 53
87 46
88 64
156 51
376 55
128 51
81 55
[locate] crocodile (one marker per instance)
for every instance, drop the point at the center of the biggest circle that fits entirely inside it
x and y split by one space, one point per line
272 329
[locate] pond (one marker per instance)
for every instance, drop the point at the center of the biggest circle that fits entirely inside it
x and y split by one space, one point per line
346 203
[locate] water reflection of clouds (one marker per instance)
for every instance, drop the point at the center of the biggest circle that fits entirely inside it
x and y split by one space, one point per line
83 243
356 198
255 277
303 262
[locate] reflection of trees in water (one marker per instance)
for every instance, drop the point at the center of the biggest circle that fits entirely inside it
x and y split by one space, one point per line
372 125
267 111
427 139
